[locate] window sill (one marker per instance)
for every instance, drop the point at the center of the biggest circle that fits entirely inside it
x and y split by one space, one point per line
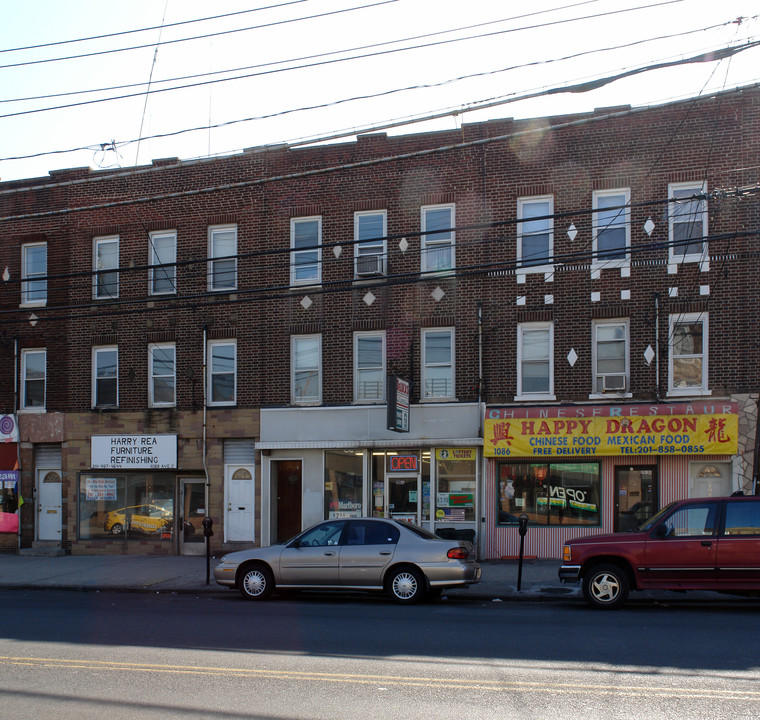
533 269
690 392
33 304
533 398
32 411
609 395
448 398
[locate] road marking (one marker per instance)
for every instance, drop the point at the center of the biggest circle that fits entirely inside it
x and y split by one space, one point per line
395 680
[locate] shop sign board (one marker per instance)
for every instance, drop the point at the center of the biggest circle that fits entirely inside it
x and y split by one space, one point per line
8 428
134 452
591 430
398 404
456 453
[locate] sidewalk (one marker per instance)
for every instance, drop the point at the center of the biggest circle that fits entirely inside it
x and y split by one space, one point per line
184 574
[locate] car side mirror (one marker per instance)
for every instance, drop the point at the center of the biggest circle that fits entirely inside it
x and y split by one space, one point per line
295 544
661 531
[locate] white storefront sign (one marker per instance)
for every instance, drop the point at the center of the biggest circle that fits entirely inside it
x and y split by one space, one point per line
134 452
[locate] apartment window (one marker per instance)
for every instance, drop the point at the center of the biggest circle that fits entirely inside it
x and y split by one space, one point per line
222 366
687 222
33 379
222 250
369 247
163 258
535 361
610 356
612 227
535 229
106 257
438 364
305 241
162 375
34 274
437 242
369 366
105 377
306 364
687 371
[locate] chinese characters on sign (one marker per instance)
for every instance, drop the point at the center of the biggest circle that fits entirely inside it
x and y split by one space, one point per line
682 429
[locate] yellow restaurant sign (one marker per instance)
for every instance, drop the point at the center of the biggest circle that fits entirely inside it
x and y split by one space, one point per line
679 429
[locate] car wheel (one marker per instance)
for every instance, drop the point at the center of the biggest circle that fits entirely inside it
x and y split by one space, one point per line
256 582
606 586
117 529
406 585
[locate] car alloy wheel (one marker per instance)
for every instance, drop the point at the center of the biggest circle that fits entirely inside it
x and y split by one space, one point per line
606 586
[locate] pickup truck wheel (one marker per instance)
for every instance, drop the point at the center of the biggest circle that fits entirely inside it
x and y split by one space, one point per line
606 587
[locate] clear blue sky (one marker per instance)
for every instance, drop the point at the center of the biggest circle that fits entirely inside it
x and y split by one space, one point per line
542 33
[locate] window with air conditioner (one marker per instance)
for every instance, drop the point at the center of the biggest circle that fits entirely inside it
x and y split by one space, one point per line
369 243
610 356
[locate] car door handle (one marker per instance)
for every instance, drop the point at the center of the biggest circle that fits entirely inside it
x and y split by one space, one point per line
330 553
386 552
706 543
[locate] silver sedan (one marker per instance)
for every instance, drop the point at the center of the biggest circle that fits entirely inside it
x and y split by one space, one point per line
406 561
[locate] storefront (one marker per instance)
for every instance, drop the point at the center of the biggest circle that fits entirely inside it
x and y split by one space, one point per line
591 469
346 463
9 483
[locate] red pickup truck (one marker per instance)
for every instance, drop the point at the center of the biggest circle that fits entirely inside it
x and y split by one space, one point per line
694 544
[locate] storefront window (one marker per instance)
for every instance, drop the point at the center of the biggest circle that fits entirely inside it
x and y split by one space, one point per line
131 507
343 484
455 501
549 493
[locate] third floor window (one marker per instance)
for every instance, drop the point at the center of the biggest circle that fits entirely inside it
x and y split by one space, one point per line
305 242
163 256
106 264
34 274
222 252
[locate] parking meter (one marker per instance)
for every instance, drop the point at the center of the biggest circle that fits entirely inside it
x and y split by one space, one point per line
522 527
207 522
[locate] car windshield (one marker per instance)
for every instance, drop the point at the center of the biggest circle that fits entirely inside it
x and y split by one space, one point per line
655 519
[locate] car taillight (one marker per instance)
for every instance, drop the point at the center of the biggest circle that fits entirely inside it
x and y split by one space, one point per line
567 554
457 553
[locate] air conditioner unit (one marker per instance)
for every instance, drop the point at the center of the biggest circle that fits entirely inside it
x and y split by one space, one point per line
369 265
613 383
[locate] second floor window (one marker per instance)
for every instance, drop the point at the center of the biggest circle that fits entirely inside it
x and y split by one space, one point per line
612 233
222 250
33 379
687 222
162 375
222 357
369 236
105 377
610 356
535 229
369 368
306 368
106 257
438 364
305 242
687 371
34 274
163 256
535 363
437 241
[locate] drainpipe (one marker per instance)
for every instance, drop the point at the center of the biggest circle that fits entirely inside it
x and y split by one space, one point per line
18 442
657 345
755 459
205 405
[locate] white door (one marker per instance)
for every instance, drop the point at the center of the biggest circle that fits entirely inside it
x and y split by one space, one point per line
49 507
239 519
710 479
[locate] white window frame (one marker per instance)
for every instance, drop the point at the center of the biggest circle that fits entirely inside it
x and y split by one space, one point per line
679 255
596 376
162 269
359 397
622 218
315 398
212 372
152 402
99 272
96 377
431 366
430 242
686 319
315 276
214 277
523 328
25 355
33 283
522 232
370 246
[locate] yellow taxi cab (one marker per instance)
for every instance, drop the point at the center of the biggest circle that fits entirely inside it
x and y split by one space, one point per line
146 519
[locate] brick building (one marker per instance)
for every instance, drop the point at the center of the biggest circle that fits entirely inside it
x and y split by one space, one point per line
545 299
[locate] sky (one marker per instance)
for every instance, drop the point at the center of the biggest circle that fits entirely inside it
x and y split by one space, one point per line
310 69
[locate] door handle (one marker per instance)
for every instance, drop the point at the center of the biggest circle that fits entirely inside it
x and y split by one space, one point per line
330 554
385 552
706 543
